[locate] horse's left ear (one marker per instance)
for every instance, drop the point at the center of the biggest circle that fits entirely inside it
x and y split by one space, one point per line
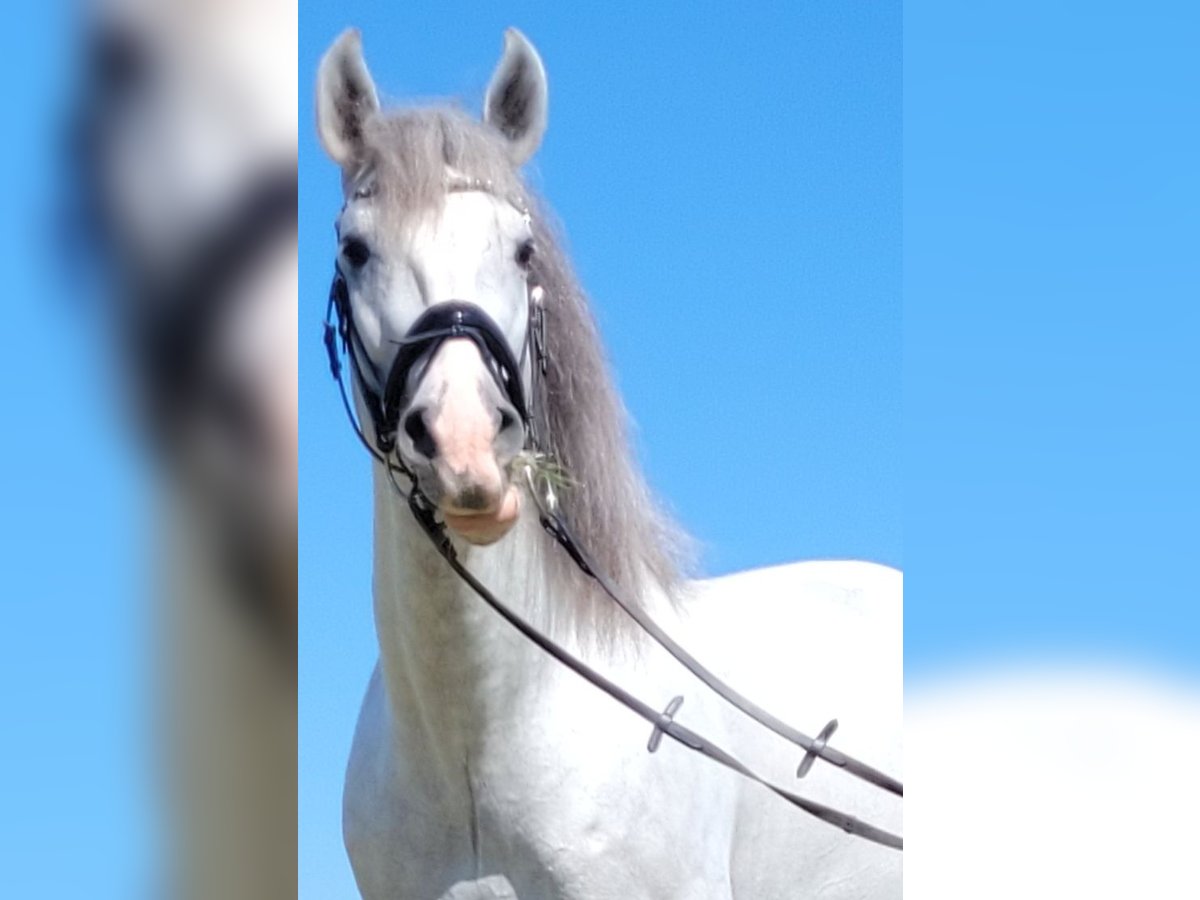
516 99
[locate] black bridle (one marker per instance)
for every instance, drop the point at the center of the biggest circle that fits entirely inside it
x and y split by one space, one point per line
439 323
176 317
463 319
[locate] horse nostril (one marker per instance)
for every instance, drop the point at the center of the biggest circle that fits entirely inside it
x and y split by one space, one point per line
418 433
506 420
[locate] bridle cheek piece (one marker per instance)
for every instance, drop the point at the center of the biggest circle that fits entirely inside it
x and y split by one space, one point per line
462 319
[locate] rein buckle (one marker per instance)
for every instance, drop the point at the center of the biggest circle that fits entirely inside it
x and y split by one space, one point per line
666 719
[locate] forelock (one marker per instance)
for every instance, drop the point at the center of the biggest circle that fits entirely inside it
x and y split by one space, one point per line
408 154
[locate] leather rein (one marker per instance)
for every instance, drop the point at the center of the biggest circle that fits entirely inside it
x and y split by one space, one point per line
385 399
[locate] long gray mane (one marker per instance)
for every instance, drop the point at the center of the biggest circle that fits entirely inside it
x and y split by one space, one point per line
582 418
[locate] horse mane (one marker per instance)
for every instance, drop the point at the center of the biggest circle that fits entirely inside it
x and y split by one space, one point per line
607 503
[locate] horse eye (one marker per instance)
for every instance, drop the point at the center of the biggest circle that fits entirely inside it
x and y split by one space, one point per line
525 254
356 252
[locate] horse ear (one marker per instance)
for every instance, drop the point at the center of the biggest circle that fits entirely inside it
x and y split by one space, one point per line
346 99
516 99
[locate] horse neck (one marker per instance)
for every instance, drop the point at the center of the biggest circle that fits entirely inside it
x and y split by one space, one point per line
452 667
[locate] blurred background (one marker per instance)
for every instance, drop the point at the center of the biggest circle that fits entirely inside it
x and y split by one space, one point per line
149 506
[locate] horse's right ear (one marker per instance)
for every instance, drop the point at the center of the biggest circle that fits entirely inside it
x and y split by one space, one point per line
346 99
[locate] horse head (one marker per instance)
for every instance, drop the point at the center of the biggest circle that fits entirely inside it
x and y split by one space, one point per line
436 273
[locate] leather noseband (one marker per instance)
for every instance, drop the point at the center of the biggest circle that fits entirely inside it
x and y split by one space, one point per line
442 322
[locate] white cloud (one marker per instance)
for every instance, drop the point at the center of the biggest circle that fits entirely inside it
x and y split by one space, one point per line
1052 781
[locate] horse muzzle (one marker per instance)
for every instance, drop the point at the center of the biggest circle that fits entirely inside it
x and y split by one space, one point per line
488 525
460 432
452 408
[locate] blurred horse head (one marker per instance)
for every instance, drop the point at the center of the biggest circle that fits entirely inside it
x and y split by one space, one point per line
185 148
184 170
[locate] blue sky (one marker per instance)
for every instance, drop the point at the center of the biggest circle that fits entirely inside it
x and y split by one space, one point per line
76 764
1020 433
1050 332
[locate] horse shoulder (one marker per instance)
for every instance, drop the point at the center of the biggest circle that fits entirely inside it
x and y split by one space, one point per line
833 605
585 811
810 642
396 833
